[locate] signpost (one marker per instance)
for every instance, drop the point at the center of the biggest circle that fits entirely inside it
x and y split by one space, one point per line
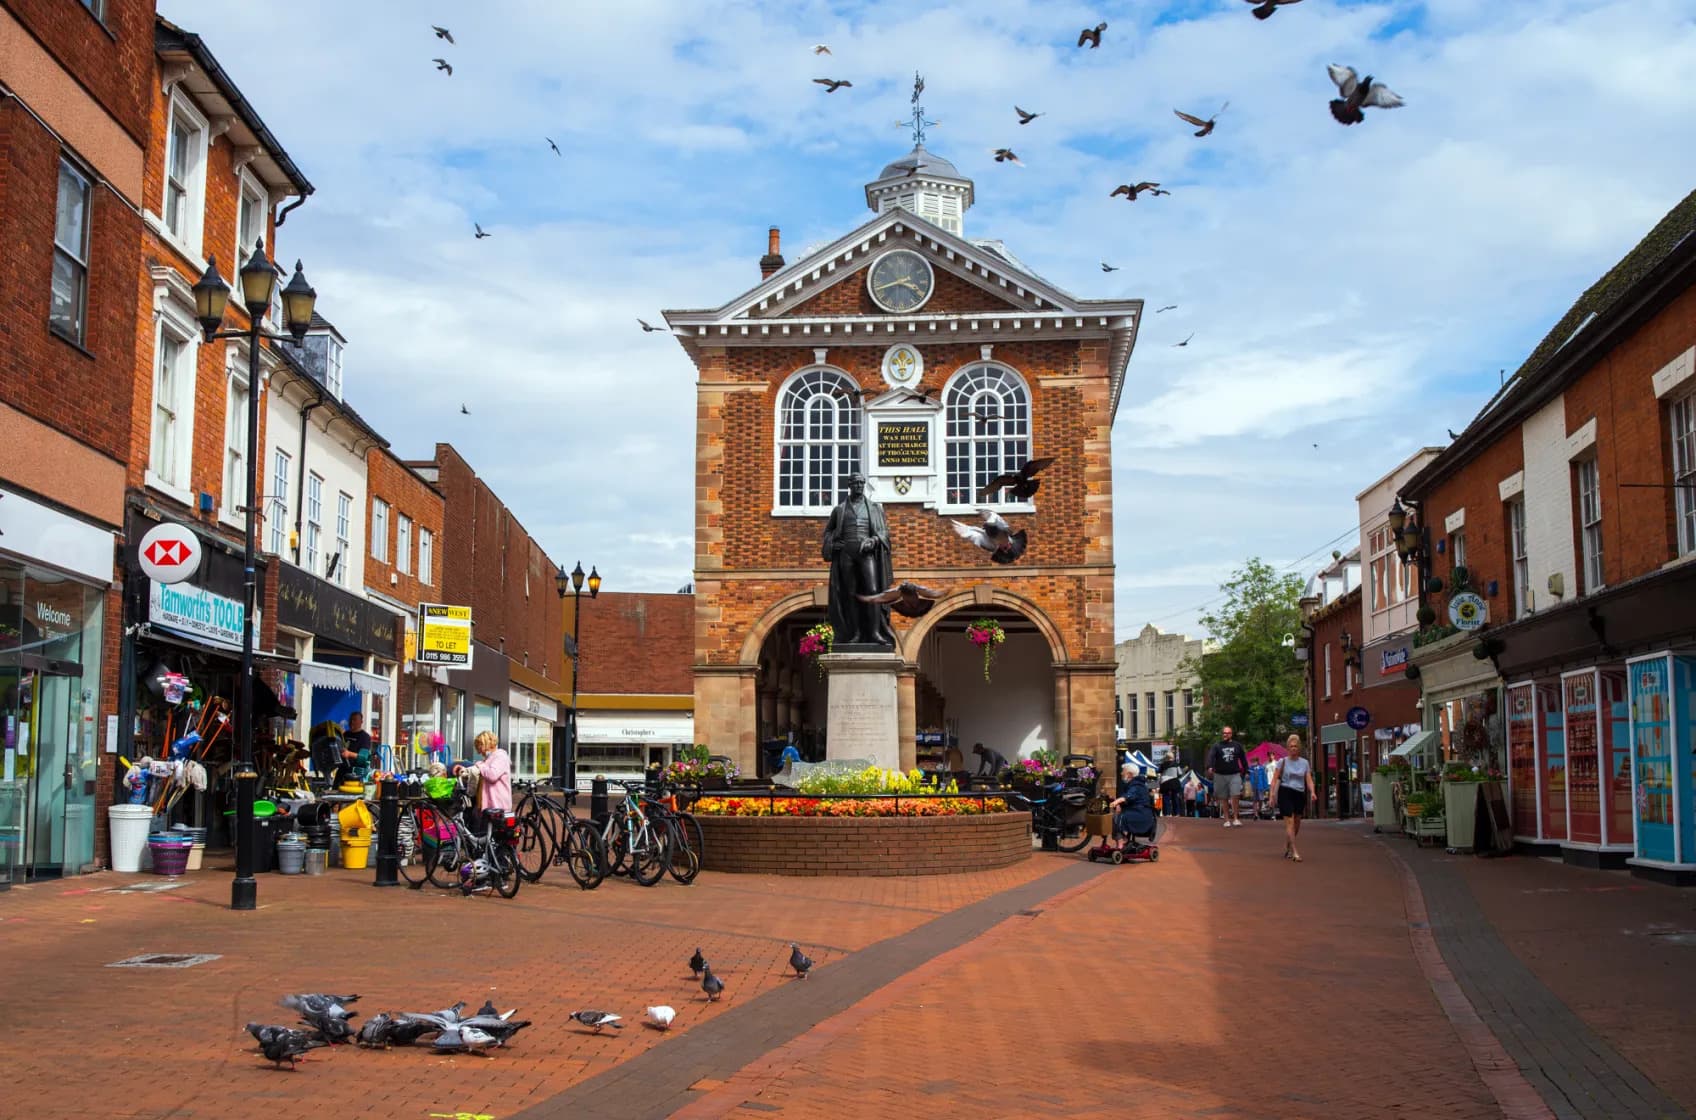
444 635
169 553
1358 718
1468 610
1299 720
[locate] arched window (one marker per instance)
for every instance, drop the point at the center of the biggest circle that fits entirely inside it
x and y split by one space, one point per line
818 440
989 431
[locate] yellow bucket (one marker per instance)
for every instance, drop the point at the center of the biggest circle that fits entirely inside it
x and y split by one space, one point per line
355 818
356 854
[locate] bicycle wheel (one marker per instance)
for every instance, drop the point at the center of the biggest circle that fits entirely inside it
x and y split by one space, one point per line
681 862
692 834
648 854
411 843
535 843
583 855
442 860
1071 833
503 870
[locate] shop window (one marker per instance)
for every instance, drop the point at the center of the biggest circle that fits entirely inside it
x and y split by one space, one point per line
68 307
1682 417
235 441
987 432
530 745
1589 524
379 530
1521 562
485 716
344 531
818 440
403 543
277 512
185 167
314 519
426 555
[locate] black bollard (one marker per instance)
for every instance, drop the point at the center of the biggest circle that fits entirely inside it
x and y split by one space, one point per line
388 835
598 800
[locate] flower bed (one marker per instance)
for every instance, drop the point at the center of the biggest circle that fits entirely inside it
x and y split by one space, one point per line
825 836
843 807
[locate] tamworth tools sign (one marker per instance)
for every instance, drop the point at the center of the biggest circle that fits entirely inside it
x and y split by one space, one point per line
444 635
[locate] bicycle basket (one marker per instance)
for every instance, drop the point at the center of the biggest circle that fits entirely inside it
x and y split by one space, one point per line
436 827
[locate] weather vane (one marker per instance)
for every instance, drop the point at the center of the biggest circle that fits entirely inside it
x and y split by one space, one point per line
918 122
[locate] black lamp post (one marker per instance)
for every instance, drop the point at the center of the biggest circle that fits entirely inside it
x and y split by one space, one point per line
1413 546
573 582
211 297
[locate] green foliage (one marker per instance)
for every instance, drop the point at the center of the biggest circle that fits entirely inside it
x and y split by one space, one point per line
1251 683
872 780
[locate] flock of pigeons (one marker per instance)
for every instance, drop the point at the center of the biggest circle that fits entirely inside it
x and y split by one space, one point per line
325 1020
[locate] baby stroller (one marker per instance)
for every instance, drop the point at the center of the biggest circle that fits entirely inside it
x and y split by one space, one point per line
1135 821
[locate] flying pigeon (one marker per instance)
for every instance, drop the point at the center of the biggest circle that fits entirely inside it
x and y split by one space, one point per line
1267 7
376 1031
1005 155
1105 267
1131 191
647 326
463 411
598 1019
1168 307
1203 127
442 64
660 1017
921 394
442 33
820 48
464 1037
1092 35
710 984
287 1045
905 598
1186 341
697 964
831 85
480 231
855 395
1027 118
552 145
994 536
799 961
984 418
1357 93
1023 482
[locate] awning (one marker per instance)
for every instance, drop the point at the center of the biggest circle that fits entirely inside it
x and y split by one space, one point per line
263 659
320 675
1415 745
1337 733
369 683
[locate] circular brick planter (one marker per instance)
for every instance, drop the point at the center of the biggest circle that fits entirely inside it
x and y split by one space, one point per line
864 845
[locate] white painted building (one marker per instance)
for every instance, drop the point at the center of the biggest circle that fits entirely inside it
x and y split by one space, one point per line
1389 590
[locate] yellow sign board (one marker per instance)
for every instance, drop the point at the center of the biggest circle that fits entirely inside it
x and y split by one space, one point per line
444 635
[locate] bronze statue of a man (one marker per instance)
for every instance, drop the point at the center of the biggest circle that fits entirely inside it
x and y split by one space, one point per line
856 544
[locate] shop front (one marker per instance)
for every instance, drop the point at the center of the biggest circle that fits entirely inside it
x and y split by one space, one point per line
621 745
1663 737
1461 701
530 720
54 575
447 707
347 646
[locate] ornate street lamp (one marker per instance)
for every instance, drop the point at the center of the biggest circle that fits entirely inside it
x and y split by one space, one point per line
573 582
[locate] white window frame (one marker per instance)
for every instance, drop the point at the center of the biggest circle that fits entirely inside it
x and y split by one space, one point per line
1389 578
344 535
818 441
235 437
1519 558
71 250
403 544
333 365
96 8
1327 670
314 519
379 530
1588 486
426 555
1457 549
1681 422
277 504
1131 726
188 239
176 476
975 450
249 188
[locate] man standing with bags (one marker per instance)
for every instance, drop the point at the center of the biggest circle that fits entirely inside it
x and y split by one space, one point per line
1227 764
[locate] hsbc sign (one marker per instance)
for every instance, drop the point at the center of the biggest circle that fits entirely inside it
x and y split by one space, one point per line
169 553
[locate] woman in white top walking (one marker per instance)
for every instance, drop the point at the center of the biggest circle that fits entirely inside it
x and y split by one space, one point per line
1294 783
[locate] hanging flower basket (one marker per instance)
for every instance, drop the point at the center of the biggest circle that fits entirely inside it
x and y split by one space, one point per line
817 642
986 633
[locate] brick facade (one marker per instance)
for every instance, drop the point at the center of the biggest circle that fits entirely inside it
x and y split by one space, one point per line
635 644
391 481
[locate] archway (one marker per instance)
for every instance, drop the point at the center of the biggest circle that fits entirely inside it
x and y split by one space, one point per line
1013 711
790 697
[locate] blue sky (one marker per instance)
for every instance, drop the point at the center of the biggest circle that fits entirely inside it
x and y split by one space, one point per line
1355 288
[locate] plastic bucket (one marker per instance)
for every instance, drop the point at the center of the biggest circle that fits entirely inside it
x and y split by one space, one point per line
355 819
170 856
291 856
129 826
355 854
317 860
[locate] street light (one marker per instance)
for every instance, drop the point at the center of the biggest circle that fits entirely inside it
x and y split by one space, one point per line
573 582
211 298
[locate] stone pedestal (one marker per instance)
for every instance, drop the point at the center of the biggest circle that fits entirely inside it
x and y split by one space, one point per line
863 718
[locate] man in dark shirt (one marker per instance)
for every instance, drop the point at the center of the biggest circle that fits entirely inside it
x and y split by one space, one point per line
356 746
990 763
1227 764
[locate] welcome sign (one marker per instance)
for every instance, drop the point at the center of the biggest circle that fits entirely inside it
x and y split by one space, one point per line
214 619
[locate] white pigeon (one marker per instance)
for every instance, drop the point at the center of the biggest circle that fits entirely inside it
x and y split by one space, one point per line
464 1037
660 1017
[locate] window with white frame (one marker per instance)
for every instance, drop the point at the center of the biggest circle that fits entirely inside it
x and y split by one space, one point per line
96 8
1590 524
403 544
235 441
1131 715
379 530
1521 562
1457 549
818 440
314 519
171 443
1189 707
333 366
1682 417
344 533
250 219
987 431
277 510
185 174
1391 579
1327 670
426 555
68 306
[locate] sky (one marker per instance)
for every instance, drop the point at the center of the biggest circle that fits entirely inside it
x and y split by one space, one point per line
1353 292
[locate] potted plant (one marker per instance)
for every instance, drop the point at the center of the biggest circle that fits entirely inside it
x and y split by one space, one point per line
1425 814
986 634
695 768
817 642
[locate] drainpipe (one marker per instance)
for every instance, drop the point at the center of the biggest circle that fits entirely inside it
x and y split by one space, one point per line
300 485
282 215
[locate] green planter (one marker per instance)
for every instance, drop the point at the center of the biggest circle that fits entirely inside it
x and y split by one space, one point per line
1460 809
1384 810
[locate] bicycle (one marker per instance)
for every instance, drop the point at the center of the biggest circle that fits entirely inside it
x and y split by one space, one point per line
686 841
1060 812
630 836
465 855
549 833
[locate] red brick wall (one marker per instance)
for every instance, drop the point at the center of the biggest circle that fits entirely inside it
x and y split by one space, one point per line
1476 488
864 846
849 296
110 60
638 644
391 481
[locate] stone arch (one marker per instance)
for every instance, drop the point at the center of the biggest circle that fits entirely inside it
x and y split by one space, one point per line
774 614
914 638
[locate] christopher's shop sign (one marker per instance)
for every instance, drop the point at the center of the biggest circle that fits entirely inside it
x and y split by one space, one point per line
195 611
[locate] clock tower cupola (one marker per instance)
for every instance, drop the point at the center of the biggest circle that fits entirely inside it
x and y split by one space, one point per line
925 184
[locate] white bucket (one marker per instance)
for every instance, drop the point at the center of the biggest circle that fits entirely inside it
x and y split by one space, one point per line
130 825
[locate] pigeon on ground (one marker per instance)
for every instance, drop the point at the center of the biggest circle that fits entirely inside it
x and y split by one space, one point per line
906 598
1185 342
1168 307
451 1014
463 1036
647 326
831 85
406 1030
660 1017
317 1001
799 961
1105 267
1092 35
442 33
287 1045
820 48
1203 127
1005 155
376 1030
710 984
1357 93
442 64
480 231
332 1024
598 1019
1023 482
499 1027
262 1033
1027 118
1267 7
697 964
994 536
488 1008
1130 191
552 145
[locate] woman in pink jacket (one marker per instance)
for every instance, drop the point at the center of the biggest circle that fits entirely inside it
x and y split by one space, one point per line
494 773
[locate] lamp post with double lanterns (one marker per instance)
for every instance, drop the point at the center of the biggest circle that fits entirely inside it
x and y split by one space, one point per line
211 297
1413 545
573 582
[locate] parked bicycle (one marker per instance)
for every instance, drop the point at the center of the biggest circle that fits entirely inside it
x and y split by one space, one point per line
685 841
454 845
550 834
1058 810
634 841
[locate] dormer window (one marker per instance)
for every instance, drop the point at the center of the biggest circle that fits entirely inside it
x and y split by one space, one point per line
333 367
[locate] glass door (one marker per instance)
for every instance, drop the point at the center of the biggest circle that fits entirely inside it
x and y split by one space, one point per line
13 780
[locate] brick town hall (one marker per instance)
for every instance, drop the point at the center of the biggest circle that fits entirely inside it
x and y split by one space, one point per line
931 362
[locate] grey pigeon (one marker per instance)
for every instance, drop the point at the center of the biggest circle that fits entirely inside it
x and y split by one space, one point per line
287 1045
333 1027
1027 118
442 33
1020 484
442 64
1105 267
377 1030
481 232
1131 190
488 1008
499 1027
712 985
697 963
1267 7
1203 127
994 536
648 327
598 1019
464 1037
316 1001
831 85
799 961
450 1013
906 598
409 1029
1358 93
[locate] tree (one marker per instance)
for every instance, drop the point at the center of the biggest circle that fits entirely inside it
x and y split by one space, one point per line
1252 681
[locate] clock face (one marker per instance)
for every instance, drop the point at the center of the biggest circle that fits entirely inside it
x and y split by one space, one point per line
900 281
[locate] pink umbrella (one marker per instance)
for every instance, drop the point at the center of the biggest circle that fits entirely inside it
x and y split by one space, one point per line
1266 752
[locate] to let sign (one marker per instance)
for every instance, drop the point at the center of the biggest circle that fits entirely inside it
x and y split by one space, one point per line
444 635
169 553
903 443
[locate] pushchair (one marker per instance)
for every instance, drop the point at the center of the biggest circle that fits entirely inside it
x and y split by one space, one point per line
1135 821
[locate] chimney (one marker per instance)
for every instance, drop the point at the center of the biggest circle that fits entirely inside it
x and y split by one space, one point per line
773 260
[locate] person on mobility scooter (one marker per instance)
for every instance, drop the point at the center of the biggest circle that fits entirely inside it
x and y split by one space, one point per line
1133 817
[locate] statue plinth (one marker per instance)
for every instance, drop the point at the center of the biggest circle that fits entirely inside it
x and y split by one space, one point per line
863 719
